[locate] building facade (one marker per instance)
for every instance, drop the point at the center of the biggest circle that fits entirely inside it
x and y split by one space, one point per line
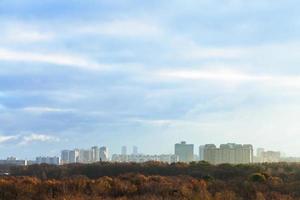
74 156
185 152
65 159
104 154
95 154
201 152
228 153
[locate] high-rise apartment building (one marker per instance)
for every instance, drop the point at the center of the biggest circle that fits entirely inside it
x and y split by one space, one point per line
104 154
209 153
201 152
247 156
228 153
185 152
95 154
85 156
74 156
65 156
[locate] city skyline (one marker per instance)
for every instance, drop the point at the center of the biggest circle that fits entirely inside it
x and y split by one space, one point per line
197 150
148 73
229 153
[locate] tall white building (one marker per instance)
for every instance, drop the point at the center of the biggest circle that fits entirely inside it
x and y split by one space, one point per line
95 154
104 154
74 156
185 152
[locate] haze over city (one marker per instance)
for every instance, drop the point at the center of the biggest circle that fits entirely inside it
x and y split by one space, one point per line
74 74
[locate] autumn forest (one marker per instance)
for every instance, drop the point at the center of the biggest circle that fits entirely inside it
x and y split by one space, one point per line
151 181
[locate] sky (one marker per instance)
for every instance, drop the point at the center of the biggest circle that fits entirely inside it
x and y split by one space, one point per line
148 73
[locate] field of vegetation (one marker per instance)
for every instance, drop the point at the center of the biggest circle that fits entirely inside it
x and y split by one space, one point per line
151 181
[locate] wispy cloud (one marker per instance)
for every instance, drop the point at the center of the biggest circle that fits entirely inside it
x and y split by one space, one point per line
38 138
7 138
230 76
27 138
20 32
153 122
51 58
41 110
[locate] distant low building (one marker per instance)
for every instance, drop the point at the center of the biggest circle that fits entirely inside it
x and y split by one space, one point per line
289 159
140 158
271 156
267 156
13 161
47 160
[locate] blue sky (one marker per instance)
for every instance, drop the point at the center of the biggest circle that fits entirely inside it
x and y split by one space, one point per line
152 73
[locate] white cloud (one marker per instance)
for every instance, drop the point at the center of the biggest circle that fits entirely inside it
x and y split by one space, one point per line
230 76
41 110
22 35
7 138
20 32
202 53
51 58
153 122
32 36
38 138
